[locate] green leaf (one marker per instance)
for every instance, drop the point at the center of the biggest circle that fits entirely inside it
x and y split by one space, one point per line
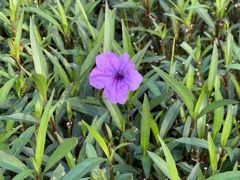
11 163
69 157
19 36
234 66
18 146
89 62
39 61
108 29
96 124
229 49
188 48
227 126
127 45
91 110
231 175
8 134
185 94
23 175
236 84
205 16
146 166
21 117
213 68
201 122
115 114
63 17
58 69
194 142
124 168
129 4
58 173
60 152
137 58
41 84
83 168
86 19
194 173
212 153
216 104
99 139
4 91
145 126
125 176
41 137
218 112
169 118
161 164
46 16
170 161
190 77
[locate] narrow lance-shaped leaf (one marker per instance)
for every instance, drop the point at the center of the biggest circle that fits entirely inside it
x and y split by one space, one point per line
227 126
201 122
215 105
108 29
18 36
194 172
190 77
11 163
5 90
96 124
116 114
169 118
63 17
65 147
99 139
58 68
39 61
213 68
226 176
205 16
194 142
170 161
41 84
4 137
145 126
41 137
23 175
185 94
127 45
212 153
83 168
46 16
218 112
188 48
161 164
228 51
86 19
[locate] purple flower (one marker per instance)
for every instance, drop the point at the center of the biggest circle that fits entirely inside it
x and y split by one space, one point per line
116 75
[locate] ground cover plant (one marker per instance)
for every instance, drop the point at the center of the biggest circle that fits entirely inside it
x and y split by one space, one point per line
119 89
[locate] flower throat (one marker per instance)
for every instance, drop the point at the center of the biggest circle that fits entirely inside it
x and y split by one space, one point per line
119 76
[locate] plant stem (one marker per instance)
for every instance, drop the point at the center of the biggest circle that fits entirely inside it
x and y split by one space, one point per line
111 171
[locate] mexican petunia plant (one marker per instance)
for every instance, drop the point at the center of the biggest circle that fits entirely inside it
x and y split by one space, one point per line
116 75
167 73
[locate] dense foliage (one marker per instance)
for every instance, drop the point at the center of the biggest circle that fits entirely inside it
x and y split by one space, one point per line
181 123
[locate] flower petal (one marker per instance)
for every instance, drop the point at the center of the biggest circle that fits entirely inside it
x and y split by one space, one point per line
131 76
98 78
125 63
108 62
133 79
116 92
